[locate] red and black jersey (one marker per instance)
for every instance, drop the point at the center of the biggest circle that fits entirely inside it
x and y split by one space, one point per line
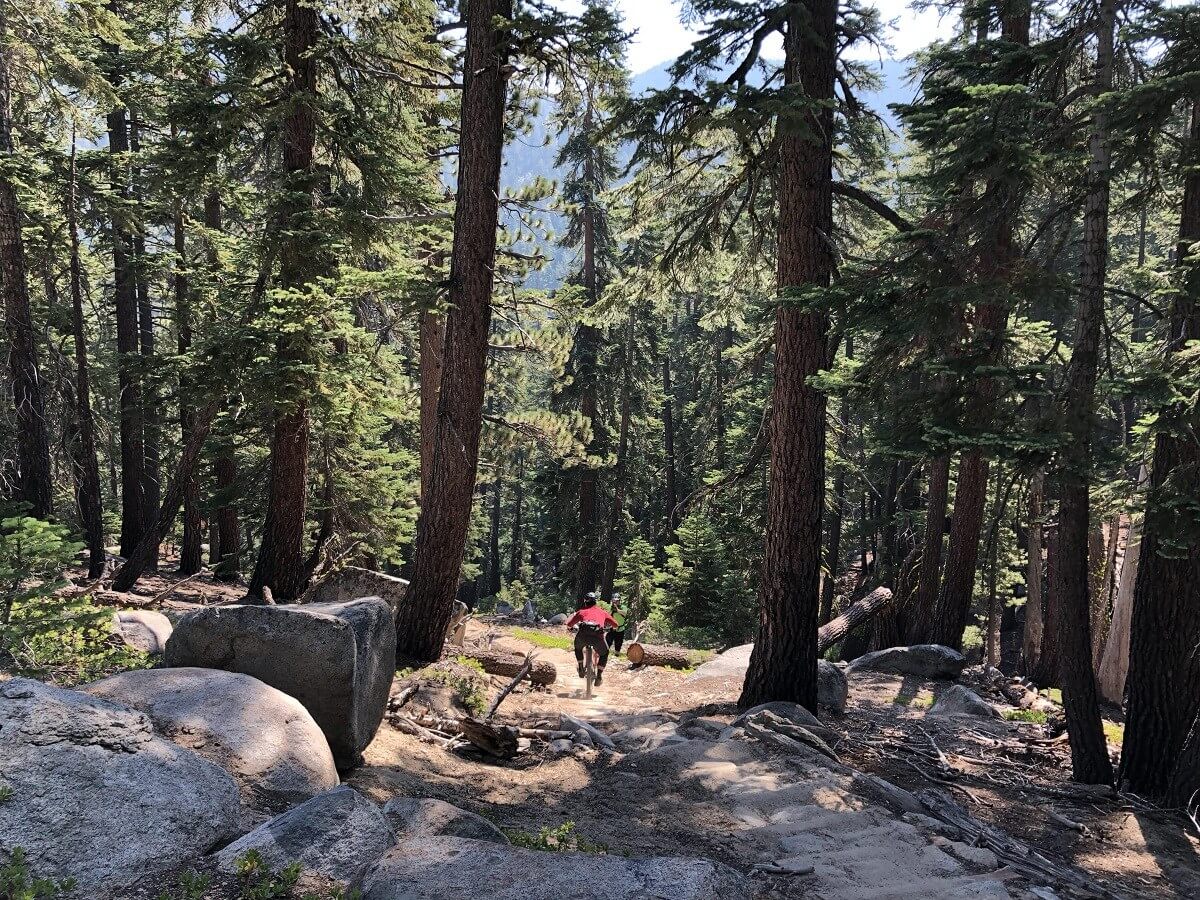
594 616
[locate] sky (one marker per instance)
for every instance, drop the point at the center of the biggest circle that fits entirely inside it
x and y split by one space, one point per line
661 36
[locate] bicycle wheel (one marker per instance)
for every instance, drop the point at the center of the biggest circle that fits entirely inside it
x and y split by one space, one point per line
589 671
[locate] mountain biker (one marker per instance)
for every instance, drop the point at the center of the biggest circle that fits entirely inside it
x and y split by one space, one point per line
616 636
592 620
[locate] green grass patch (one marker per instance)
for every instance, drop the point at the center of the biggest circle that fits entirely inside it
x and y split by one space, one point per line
1114 732
920 701
561 839
1025 715
1053 694
548 639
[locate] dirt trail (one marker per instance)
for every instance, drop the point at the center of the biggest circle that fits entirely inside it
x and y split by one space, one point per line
674 786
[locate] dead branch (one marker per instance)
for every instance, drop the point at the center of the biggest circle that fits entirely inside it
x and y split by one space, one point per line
525 669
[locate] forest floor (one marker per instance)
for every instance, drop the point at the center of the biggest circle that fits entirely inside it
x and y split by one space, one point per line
674 789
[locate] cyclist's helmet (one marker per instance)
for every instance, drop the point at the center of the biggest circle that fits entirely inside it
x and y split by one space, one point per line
590 598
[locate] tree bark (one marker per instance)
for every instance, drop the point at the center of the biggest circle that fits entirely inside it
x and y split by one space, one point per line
129 382
517 550
1114 661
433 339
500 662
670 491
953 608
281 551
1164 668
621 470
151 426
494 564
783 665
88 496
1089 751
640 654
34 485
442 529
1031 640
190 561
920 622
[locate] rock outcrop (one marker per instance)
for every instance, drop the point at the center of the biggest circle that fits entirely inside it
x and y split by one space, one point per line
261 736
923 660
336 835
437 868
97 796
353 583
337 659
414 817
958 700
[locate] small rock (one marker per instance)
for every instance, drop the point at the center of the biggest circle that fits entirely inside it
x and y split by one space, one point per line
558 619
832 687
796 865
561 746
582 738
504 608
143 629
337 834
414 817
959 700
923 660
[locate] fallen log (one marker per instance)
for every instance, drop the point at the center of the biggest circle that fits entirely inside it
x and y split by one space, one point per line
498 662
837 629
650 655
495 740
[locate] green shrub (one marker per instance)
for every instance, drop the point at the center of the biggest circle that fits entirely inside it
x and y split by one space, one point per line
17 882
64 639
561 839
192 886
1025 715
258 881
465 680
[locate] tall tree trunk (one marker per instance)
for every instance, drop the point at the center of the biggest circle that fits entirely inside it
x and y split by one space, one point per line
494 564
783 665
517 550
1089 752
1164 668
226 550
670 491
129 382
1114 661
621 470
281 551
433 339
999 255
88 495
33 439
193 525
953 609
152 427
920 621
442 529
1031 640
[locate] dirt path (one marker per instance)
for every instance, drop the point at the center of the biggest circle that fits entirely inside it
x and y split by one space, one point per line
674 786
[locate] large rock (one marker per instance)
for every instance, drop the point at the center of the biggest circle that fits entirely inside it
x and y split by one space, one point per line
97 796
832 687
337 659
958 700
414 817
732 663
923 660
336 835
143 629
558 619
437 868
353 583
264 738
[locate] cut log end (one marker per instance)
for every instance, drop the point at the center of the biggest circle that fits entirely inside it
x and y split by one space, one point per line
649 655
